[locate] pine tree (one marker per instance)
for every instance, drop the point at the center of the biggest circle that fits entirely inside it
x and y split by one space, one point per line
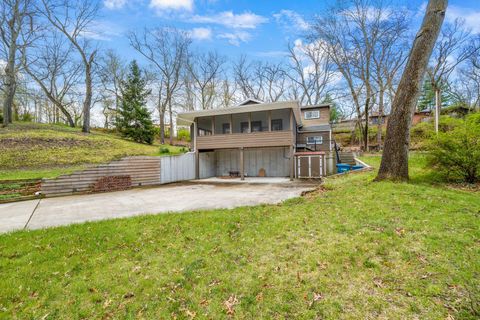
134 120
427 97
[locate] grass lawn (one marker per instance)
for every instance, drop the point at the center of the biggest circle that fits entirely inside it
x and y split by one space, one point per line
356 249
29 150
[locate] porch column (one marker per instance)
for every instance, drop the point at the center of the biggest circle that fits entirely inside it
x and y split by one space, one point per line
197 165
291 119
195 148
249 122
213 125
269 120
231 123
242 166
292 163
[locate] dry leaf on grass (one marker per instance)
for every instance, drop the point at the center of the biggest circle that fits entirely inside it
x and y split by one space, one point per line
316 297
400 231
230 304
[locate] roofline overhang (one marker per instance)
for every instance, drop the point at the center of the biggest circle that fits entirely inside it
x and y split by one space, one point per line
187 118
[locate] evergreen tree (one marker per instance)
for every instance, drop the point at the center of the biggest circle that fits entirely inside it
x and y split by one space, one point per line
335 113
427 97
134 120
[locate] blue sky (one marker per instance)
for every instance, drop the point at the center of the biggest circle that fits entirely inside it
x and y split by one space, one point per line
260 29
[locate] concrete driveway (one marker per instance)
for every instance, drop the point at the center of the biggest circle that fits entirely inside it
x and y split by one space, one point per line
36 214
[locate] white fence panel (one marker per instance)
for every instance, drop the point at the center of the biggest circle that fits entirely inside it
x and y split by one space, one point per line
177 168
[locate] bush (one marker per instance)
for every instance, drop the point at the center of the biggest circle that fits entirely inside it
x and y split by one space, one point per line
164 150
26 117
183 134
456 152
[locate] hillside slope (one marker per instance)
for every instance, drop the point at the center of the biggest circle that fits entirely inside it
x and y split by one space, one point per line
29 150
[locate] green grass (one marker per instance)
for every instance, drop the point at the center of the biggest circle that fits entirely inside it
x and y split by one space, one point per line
355 250
30 150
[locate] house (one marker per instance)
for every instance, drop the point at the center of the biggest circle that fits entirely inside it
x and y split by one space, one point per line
421 116
279 139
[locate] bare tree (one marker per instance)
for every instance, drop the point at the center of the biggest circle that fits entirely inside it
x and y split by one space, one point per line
112 72
51 66
470 80
228 90
16 33
167 50
352 36
311 72
205 71
453 47
74 18
389 57
244 79
274 81
394 165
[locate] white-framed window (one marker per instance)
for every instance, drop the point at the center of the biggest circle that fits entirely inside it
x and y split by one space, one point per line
312 114
315 140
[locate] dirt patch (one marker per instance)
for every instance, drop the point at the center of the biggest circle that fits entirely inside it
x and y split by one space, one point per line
314 193
12 190
27 143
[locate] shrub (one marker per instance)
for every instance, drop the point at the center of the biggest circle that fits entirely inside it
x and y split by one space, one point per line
164 150
183 134
456 152
26 117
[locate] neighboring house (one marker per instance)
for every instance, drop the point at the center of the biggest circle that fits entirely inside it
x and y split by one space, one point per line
375 119
421 116
260 139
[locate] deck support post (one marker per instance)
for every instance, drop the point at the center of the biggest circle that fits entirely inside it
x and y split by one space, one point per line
197 165
242 165
292 163
195 148
269 120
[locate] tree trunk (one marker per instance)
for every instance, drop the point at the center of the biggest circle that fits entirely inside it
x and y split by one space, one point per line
10 83
380 119
170 113
88 99
438 103
394 165
161 115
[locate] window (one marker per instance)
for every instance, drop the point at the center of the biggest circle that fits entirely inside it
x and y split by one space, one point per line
315 140
226 128
256 126
277 125
244 127
313 114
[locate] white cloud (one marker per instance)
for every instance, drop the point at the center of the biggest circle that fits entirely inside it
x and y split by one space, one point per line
272 54
471 17
162 5
201 33
291 20
246 20
114 4
235 38
103 31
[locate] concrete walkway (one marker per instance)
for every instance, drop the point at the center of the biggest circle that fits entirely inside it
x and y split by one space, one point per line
36 214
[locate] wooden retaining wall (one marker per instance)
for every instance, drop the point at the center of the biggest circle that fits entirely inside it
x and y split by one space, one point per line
138 171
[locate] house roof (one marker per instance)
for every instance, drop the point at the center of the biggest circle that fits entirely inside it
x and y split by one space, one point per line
249 101
187 118
322 127
315 106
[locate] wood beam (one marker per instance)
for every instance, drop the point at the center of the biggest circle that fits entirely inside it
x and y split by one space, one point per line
242 166
292 163
269 120
197 164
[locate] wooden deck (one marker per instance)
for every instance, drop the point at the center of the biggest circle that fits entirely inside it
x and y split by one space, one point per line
246 140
